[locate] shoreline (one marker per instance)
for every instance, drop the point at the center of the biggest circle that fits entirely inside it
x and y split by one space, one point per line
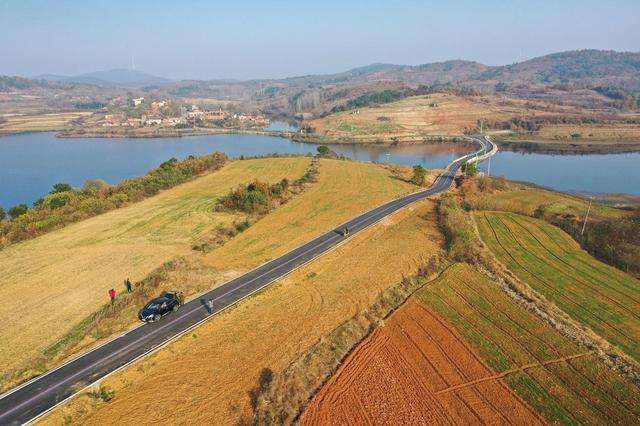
524 146
569 148
175 133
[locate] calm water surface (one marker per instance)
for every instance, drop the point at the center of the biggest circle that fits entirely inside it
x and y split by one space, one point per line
597 173
31 163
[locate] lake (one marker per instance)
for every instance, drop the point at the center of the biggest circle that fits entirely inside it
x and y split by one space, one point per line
31 163
595 173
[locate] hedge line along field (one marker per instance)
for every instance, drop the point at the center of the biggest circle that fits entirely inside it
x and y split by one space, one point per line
208 375
547 259
59 278
565 383
416 369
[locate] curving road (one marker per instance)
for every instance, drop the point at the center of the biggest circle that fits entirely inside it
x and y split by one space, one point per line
38 396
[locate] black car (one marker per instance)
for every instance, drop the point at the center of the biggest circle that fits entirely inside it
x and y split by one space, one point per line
160 306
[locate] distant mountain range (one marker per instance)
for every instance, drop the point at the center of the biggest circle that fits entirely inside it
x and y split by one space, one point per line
579 68
110 78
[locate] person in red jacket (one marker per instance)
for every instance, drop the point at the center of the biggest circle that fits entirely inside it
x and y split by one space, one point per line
112 295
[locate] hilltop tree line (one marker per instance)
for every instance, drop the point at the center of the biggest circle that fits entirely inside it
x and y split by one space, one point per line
393 95
64 204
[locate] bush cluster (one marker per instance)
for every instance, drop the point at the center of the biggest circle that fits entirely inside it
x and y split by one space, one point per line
613 241
461 239
64 205
256 197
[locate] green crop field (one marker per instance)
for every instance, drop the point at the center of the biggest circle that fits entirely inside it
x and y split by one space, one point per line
547 259
562 381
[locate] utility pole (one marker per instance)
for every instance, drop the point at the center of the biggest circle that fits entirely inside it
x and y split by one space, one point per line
489 167
481 125
584 224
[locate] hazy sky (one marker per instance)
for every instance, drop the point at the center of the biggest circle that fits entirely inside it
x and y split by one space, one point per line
255 39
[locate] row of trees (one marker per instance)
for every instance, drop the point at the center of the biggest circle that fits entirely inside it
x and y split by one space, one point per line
64 204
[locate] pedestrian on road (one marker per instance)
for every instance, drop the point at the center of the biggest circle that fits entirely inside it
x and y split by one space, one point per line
128 285
210 305
112 295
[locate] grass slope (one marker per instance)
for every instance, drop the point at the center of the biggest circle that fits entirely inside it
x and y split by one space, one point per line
56 280
599 296
223 359
343 190
526 199
563 382
407 119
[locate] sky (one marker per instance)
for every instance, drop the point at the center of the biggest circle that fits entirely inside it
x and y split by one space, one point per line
270 39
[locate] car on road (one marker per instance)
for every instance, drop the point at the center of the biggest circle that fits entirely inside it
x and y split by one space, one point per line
160 306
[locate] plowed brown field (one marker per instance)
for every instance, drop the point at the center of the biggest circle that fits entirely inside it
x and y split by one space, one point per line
417 370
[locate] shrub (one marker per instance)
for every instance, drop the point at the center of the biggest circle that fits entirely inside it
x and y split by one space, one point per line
470 169
461 240
252 198
326 152
419 175
3 214
103 394
18 210
61 187
57 200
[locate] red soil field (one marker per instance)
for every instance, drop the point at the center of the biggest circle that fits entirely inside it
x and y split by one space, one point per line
416 370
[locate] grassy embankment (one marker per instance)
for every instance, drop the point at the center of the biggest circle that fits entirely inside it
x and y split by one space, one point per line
547 259
20 123
501 194
420 118
56 280
225 357
562 381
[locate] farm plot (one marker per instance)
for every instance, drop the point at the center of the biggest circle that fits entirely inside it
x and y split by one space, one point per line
416 370
599 296
563 382
39 122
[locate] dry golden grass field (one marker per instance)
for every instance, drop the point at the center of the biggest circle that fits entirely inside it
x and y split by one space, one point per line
565 383
593 132
440 114
349 188
39 122
56 280
206 376
602 297
343 190
408 119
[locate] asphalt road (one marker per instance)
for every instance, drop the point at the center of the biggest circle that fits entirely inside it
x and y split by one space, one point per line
34 398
